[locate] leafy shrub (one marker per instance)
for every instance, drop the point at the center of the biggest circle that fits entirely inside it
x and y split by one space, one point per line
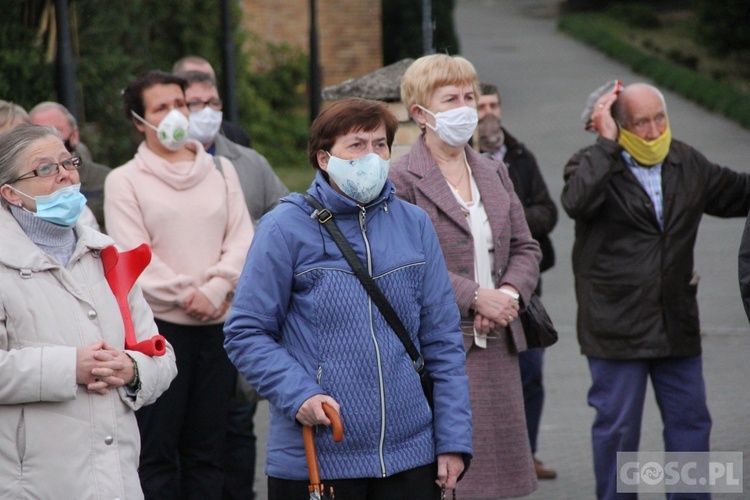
402 29
687 60
636 15
26 76
114 42
722 25
698 88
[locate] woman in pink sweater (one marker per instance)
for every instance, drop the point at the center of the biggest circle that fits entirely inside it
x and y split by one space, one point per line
192 212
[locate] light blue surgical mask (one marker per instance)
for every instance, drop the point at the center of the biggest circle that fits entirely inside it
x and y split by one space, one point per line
63 207
362 179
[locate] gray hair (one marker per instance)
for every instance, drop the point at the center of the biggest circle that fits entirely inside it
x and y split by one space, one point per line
618 108
14 145
196 77
11 112
181 65
44 106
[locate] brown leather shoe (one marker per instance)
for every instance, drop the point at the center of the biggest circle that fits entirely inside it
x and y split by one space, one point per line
543 472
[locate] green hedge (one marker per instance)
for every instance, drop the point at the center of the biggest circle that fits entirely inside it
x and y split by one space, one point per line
114 42
715 96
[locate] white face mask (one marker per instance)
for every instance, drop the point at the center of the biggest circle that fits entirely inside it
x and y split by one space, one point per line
455 126
205 124
362 179
172 131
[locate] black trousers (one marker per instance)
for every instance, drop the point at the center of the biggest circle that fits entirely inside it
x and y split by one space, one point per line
239 452
183 432
413 484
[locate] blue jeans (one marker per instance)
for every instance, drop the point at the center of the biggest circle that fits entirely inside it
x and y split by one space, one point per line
531 363
618 391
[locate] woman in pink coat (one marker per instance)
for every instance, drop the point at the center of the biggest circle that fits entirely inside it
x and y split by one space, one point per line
493 263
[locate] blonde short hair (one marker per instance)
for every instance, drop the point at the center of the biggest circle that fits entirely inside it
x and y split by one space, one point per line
428 73
11 114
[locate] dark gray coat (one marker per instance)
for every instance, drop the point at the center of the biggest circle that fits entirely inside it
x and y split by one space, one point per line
635 282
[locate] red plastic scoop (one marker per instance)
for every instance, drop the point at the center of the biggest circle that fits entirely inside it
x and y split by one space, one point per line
122 270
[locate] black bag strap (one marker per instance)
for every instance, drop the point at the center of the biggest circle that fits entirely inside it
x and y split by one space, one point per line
325 218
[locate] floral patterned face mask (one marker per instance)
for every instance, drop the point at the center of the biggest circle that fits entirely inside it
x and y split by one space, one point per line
362 179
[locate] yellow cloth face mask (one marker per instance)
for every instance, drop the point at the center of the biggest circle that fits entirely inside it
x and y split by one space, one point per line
647 153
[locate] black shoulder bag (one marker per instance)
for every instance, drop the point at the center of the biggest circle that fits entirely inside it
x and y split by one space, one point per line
325 218
537 325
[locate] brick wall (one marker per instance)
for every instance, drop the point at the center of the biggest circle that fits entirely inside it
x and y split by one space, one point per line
349 32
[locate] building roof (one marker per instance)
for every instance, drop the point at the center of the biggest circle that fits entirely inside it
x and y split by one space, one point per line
383 84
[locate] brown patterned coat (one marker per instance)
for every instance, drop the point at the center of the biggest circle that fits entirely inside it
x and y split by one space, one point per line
502 463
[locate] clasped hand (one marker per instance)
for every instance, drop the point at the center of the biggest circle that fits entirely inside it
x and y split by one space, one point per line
197 306
101 366
494 308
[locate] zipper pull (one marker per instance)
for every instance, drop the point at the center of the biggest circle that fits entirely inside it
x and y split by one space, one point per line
363 219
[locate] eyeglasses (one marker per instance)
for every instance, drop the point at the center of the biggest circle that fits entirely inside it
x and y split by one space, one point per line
50 169
197 105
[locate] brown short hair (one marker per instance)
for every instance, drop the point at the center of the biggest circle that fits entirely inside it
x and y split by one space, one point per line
132 95
490 89
344 116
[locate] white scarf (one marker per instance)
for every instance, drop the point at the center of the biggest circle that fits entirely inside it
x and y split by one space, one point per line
484 250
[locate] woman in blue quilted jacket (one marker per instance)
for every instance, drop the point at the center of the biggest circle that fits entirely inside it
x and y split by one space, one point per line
303 330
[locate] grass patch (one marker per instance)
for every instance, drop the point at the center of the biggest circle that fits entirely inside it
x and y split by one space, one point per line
297 178
669 55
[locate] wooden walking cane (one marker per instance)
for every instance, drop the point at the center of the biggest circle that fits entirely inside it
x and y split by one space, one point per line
316 488
122 270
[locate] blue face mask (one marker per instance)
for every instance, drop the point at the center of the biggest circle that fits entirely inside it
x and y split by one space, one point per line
63 207
361 179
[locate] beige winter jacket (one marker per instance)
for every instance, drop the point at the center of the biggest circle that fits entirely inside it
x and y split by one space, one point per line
56 440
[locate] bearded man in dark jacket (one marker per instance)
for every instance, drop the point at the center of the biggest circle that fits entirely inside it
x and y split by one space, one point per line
637 197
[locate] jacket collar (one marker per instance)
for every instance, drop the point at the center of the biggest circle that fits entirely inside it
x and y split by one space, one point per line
225 147
432 183
337 203
670 188
19 252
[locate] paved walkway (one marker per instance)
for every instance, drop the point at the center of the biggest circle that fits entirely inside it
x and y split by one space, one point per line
544 78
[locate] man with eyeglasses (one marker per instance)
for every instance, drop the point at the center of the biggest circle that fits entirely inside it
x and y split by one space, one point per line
261 186
262 190
92 174
637 197
230 130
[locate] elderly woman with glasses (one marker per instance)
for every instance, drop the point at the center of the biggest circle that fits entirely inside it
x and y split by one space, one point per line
492 262
69 388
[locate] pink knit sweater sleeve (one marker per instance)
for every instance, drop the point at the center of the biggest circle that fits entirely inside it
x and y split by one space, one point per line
162 286
221 278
